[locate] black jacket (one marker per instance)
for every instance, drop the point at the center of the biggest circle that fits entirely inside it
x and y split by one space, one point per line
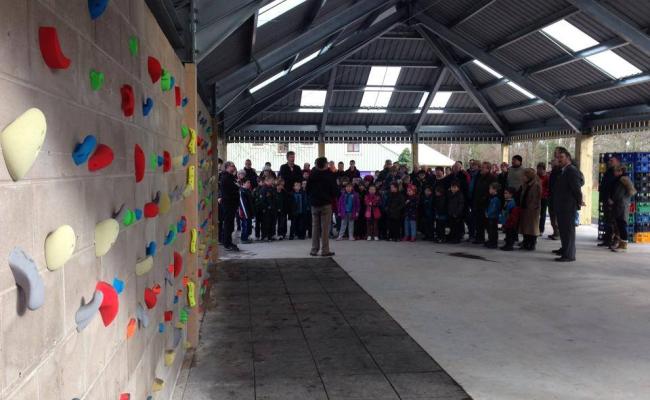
290 175
456 204
251 175
321 187
395 205
481 195
229 190
567 195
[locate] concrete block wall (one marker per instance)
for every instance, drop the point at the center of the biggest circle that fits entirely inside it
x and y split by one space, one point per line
42 356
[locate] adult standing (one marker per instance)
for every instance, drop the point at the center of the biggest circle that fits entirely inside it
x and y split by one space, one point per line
251 174
567 199
515 173
530 202
229 201
480 200
556 170
544 183
619 208
383 174
321 188
290 172
605 188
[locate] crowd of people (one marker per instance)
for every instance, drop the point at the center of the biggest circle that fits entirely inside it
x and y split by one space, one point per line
443 205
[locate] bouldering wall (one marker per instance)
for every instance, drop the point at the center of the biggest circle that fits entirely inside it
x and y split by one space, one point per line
104 241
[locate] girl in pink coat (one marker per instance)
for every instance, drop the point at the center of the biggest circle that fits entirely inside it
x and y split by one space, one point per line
373 213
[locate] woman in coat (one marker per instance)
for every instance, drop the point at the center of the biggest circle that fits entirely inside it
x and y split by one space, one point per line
530 202
619 203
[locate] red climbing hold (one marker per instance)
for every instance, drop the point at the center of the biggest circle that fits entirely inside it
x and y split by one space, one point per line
139 163
178 264
167 161
155 69
169 315
110 304
128 100
177 92
102 158
150 298
48 40
151 210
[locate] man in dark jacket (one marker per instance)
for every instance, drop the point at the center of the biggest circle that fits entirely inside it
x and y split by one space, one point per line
321 188
605 189
352 172
290 172
251 174
567 199
480 200
229 201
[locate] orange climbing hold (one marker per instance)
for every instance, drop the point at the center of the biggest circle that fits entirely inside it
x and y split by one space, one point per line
130 328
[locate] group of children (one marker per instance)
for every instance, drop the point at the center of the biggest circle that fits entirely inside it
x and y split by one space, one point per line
370 210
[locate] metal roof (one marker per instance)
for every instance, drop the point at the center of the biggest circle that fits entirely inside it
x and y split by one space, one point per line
572 95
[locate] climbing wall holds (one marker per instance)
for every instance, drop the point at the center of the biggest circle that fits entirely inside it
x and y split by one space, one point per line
128 100
161 328
48 41
164 204
141 315
27 278
191 145
151 210
138 214
177 95
118 285
165 81
182 224
191 295
183 316
191 173
147 105
185 131
133 45
154 68
144 266
167 161
171 235
158 385
129 217
106 233
178 263
178 336
110 304
138 156
87 312
84 149
184 102
21 141
96 79
153 161
186 159
102 158
151 249
97 8
59 246
131 327
172 82
168 315
156 198
170 356
125 396
193 239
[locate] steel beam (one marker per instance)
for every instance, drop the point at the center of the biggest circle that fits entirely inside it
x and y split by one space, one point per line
609 85
165 14
476 9
309 22
414 111
614 23
270 94
389 63
441 76
328 100
461 76
262 129
571 116
280 54
637 112
519 105
398 88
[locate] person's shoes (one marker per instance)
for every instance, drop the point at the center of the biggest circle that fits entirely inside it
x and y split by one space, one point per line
369 238
313 254
506 248
622 246
246 242
352 239
412 239
232 248
604 244
558 252
338 239
281 238
376 238
552 237
490 246
564 259
328 254
291 237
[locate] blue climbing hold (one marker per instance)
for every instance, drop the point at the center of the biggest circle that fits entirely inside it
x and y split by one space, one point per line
138 214
151 249
185 101
180 226
118 285
175 299
161 327
161 161
208 129
97 8
171 236
84 149
186 159
172 82
147 106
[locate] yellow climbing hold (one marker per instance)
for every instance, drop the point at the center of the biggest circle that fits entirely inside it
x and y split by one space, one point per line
164 204
158 385
191 295
106 233
144 266
191 145
191 174
21 142
170 356
59 246
193 235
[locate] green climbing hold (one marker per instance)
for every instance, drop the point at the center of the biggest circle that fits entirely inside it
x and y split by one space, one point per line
185 131
166 81
133 45
96 79
182 315
153 161
129 217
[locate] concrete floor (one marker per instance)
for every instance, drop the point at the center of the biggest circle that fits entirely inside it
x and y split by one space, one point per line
516 325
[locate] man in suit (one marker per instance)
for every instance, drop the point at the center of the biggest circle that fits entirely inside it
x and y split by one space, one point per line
229 202
567 199
321 189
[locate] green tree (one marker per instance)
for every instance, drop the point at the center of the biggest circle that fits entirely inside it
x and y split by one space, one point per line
405 157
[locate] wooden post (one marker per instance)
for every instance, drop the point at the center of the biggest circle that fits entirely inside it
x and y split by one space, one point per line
584 159
321 145
505 152
415 151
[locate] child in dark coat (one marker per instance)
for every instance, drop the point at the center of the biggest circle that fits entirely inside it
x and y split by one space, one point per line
442 214
246 210
394 212
298 203
282 203
509 218
456 212
268 206
492 214
428 213
410 214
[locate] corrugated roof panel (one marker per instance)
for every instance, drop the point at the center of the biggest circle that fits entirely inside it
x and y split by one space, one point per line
571 76
414 50
637 11
233 52
449 11
405 100
503 95
592 28
635 56
456 119
417 76
461 100
538 112
352 75
615 98
331 7
347 99
479 75
529 51
284 27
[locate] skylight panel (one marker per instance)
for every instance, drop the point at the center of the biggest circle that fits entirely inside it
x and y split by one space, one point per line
313 98
376 98
488 69
268 81
613 64
423 100
383 76
274 9
305 60
522 90
441 99
570 36
385 15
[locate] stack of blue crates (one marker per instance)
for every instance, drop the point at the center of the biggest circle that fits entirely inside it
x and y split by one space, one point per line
637 166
